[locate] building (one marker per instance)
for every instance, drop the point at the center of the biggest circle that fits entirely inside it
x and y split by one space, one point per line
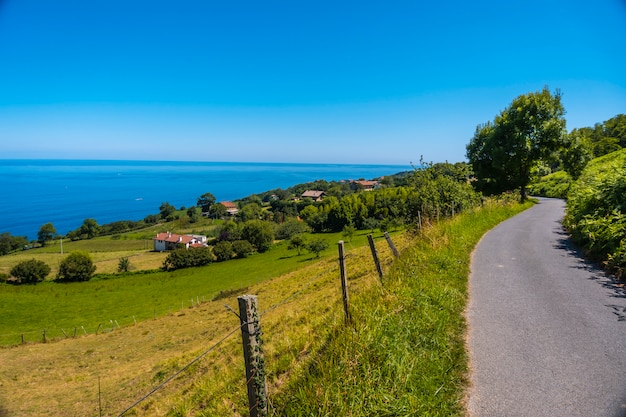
314 195
364 185
231 208
169 241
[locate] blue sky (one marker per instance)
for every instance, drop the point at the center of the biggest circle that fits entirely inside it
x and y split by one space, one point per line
293 81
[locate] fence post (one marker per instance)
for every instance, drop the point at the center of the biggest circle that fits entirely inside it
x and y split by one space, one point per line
253 355
370 239
44 336
392 246
23 341
344 282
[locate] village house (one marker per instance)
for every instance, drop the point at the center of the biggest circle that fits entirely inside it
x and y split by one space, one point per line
364 185
314 195
166 241
231 208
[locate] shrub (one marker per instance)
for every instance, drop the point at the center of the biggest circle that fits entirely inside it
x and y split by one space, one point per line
258 232
596 208
30 272
317 245
223 251
242 248
290 228
123 265
186 258
555 185
77 266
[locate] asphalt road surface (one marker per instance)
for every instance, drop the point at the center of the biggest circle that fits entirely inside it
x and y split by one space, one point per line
547 330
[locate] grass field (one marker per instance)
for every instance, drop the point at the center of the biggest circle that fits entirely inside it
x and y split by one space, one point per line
58 308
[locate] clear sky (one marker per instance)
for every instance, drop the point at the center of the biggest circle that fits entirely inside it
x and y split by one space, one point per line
293 81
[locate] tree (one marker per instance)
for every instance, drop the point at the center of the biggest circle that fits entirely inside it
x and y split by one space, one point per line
77 266
166 210
186 258
46 233
258 232
192 212
90 228
223 251
348 231
297 242
31 271
317 245
124 264
504 152
242 248
205 201
218 211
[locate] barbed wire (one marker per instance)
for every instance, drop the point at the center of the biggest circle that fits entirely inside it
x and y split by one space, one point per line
183 369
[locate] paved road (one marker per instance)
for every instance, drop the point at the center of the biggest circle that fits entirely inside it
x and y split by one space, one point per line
547 330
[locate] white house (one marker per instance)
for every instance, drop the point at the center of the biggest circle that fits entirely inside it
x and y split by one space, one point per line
169 241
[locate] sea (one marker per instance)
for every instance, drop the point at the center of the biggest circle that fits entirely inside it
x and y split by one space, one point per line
66 192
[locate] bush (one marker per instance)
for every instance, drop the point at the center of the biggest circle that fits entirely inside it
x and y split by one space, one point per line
258 232
290 228
77 266
555 185
242 248
30 272
186 258
596 209
317 245
223 251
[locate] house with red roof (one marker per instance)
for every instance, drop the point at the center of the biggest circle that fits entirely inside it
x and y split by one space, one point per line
169 241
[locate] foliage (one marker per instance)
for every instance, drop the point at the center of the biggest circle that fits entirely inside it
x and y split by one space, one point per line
555 185
316 245
596 210
88 230
46 233
187 258
503 153
242 248
9 243
259 233
30 272
192 213
205 201
123 264
290 228
77 266
348 231
223 251
166 210
230 231
297 242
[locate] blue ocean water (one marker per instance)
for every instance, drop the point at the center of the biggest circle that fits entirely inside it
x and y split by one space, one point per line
65 192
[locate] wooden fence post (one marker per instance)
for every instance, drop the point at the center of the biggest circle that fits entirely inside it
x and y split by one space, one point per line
344 282
370 239
253 355
392 246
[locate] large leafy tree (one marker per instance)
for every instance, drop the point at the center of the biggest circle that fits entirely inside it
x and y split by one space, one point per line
205 201
503 153
77 266
46 233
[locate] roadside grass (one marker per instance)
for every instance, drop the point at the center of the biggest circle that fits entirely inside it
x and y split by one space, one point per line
126 298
